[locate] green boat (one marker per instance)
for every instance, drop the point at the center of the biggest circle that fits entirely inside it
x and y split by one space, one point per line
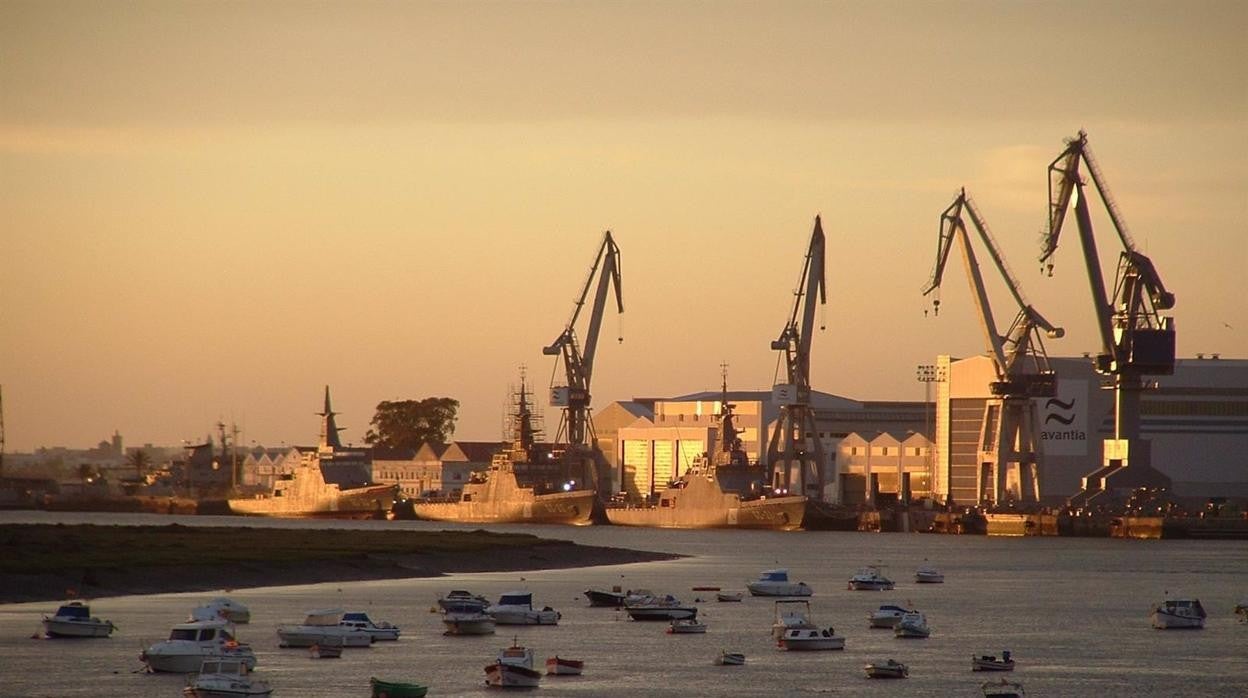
396 689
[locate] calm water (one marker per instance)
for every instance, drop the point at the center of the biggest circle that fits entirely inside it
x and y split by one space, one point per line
1073 611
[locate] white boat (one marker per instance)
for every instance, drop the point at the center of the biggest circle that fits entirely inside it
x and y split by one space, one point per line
776 583
926 574
319 625
189 644
513 668
912 625
224 608
1174 614
990 662
870 578
468 623
460 601
225 678
887 669
360 621
802 639
1002 689
666 607
686 626
727 658
562 666
516 608
887 616
726 597
791 614
74 619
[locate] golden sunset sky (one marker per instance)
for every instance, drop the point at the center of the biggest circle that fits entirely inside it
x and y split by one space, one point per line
210 210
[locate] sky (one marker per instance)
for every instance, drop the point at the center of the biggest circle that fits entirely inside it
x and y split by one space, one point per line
211 210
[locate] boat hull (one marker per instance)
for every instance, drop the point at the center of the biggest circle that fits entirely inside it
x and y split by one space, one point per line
1169 621
668 614
326 501
778 514
306 636
991 664
394 689
477 624
573 508
222 689
779 590
510 676
76 629
183 662
558 666
605 599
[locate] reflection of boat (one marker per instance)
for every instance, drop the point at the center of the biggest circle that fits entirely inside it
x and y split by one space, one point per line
514 667
990 662
561 666
686 626
887 616
225 678
327 648
189 644
1002 689
474 623
887 669
776 583
74 619
666 607
221 607
870 579
719 491
727 658
912 625
396 689
516 488
317 626
791 614
1178 614
360 621
811 639
516 608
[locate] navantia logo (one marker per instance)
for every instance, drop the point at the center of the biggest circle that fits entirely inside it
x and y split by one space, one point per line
1064 420
1064 414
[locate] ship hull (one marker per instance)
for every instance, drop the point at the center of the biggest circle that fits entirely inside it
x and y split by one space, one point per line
573 508
359 503
780 513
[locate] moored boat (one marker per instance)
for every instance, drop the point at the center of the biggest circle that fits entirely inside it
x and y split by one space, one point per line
912 625
1178 614
562 666
615 598
729 597
776 583
990 662
802 639
887 616
460 601
516 608
727 658
477 623
791 614
396 689
189 644
666 607
926 574
887 669
1002 689
225 678
224 608
319 625
513 668
74 619
358 620
686 626
870 578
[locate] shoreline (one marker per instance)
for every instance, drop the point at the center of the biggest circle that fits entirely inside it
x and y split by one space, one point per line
52 562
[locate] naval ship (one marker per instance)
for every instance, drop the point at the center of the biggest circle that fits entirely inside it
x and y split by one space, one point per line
718 491
520 486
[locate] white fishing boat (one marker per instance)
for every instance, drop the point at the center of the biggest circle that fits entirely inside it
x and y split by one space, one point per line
360 621
870 578
468 623
791 614
225 678
727 658
686 626
799 639
224 608
460 601
776 583
74 619
887 669
189 644
990 662
1173 614
926 574
319 625
666 607
1002 689
912 625
513 668
516 608
887 616
562 666
729 597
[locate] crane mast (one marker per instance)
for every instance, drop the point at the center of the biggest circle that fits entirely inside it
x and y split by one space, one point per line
1136 340
574 395
1008 449
801 448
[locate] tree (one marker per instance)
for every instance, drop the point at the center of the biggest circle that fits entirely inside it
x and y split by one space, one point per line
410 423
140 460
86 472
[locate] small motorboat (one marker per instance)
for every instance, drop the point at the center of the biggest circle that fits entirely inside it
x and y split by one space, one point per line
729 597
666 607
513 668
887 616
222 607
791 614
319 625
990 662
560 666
225 678
912 625
926 574
396 689
887 669
1174 614
189 644
361 622
477 623
516 608
1002 689
607 599
74 619
870 578
329 648
799 639
776 583
727 658
460 601
685 626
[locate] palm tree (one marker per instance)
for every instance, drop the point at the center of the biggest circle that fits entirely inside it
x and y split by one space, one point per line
140 460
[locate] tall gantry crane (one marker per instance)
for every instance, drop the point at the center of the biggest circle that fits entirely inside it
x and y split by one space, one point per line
1136 340
1008 449
801 448
576 424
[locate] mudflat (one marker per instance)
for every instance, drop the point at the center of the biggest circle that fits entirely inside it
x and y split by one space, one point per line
40 562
